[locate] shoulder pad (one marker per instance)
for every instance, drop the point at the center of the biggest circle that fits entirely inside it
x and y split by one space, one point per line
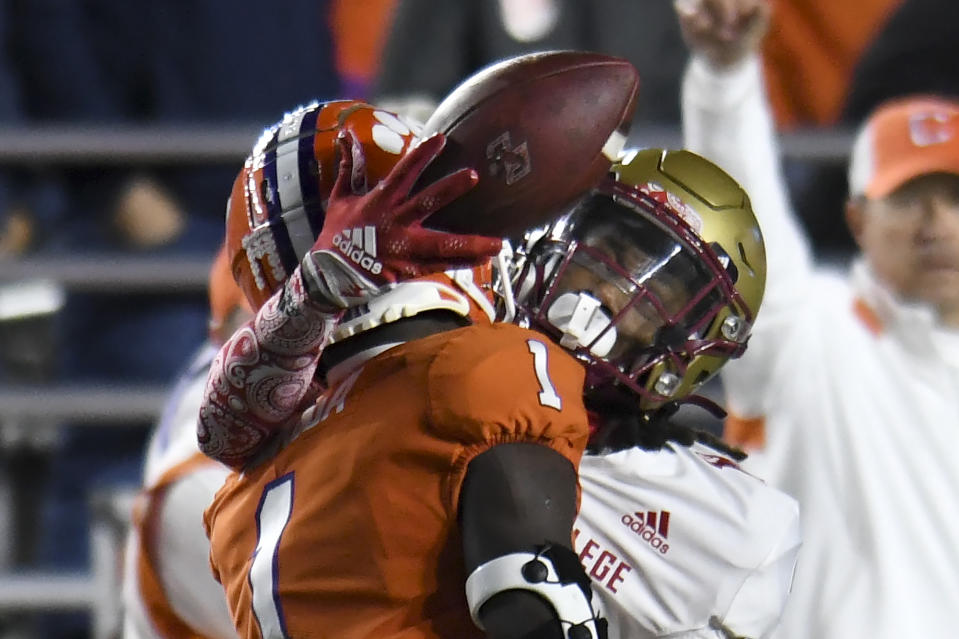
505 383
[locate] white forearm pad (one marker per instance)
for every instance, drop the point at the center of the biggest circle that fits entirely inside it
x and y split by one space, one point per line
535 573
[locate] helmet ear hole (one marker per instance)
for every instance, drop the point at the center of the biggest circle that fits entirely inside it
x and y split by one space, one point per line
265 190
726 261
744 259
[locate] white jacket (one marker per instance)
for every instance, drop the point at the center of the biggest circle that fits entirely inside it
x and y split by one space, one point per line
859 397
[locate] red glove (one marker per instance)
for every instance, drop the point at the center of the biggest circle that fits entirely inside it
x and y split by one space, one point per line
374 238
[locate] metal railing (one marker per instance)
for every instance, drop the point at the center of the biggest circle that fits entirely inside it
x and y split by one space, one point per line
114 405
112 272
77 145
168 144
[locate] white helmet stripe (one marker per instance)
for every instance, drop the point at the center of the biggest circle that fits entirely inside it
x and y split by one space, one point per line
288 175
298 228
288 183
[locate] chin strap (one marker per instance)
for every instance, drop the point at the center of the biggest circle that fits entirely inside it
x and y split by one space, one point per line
555 574
706 404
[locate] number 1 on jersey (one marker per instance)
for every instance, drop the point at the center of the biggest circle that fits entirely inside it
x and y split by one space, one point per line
547 393
276 506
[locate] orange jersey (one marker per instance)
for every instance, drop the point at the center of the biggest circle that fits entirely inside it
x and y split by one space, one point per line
350 531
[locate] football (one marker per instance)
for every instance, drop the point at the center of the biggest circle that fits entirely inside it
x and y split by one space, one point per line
540 129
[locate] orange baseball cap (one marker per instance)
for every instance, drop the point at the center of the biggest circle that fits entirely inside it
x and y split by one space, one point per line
901 140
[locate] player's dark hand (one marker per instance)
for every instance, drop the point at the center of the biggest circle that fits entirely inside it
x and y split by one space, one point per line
372 238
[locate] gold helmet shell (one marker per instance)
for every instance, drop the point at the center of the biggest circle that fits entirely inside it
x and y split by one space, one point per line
717 209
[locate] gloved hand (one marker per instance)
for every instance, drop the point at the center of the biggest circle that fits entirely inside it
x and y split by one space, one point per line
372 238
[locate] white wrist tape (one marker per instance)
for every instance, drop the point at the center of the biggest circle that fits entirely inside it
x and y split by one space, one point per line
535 573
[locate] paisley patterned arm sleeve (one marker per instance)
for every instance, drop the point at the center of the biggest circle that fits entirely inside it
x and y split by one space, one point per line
263 374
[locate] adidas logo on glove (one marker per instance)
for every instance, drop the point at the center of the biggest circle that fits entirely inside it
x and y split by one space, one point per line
359 244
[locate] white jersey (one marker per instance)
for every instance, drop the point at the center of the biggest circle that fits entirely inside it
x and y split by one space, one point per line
854 401
682 543
168 587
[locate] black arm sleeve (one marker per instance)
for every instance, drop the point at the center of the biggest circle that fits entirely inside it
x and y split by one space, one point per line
517 497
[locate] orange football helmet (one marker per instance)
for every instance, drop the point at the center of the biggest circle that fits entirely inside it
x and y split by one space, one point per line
276 211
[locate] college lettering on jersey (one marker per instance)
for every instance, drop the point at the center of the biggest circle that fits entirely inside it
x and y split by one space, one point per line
603 566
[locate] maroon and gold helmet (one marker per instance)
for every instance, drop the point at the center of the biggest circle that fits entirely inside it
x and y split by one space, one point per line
653 281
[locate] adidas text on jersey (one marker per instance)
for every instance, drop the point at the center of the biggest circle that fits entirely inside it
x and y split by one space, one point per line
645 526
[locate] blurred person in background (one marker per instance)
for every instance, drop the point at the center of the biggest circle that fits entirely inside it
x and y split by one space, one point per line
433 46
809 60
27 353
29 198
15 229
809 54
911 54
168 589
848 395
108 62
360 28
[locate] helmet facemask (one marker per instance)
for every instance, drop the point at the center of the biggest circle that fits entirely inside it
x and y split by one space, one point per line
626 285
